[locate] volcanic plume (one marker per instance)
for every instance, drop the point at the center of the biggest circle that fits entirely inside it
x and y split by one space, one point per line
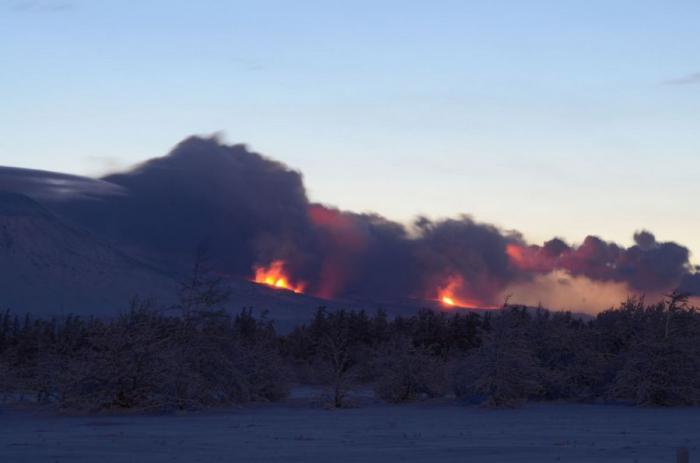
646 266
254 218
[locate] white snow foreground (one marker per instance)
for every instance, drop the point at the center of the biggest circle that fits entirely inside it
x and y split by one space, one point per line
422 432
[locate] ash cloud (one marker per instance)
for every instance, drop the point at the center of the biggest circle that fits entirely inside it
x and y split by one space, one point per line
475 252
361 254
367 255
248 210
648 266
690 283
238 205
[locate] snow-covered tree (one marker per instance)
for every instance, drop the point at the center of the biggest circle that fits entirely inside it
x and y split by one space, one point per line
661 362
407 372
504 371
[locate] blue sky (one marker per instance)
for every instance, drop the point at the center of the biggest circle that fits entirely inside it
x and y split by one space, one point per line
561 118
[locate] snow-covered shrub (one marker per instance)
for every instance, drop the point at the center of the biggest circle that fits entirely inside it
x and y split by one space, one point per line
146 361
339 345
122 365
660 373
572 365
660 364
254 355
407 373
7 381
504 371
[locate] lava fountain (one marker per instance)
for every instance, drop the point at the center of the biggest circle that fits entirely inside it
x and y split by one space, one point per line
274 275
449 295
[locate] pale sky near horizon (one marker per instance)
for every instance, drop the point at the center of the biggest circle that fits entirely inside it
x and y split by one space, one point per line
555 118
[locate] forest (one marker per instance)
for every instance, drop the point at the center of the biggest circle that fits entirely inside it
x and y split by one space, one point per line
198 355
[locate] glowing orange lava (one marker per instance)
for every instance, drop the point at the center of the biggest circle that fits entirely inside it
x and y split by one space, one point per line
447 294
274 275
453 293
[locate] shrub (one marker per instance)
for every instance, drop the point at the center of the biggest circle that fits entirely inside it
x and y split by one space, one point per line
407 373
504 371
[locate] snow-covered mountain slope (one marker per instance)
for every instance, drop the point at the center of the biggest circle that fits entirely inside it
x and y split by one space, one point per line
48 267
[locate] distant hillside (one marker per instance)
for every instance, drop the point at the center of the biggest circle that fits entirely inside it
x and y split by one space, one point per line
48 267
54 187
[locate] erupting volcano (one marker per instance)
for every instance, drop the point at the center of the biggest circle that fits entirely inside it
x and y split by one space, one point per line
206 192
274 275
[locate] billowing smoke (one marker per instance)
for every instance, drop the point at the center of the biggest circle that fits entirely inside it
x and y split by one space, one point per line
239 206
369 256
646 266
690 283
472 254
249 211
361 255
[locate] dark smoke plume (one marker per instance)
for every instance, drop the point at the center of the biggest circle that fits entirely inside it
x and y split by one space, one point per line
475 252
240 206
646 266
690 283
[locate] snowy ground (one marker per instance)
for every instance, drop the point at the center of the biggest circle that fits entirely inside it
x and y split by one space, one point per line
298 432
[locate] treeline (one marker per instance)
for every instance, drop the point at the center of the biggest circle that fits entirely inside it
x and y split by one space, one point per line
200 356
638 353
142 360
